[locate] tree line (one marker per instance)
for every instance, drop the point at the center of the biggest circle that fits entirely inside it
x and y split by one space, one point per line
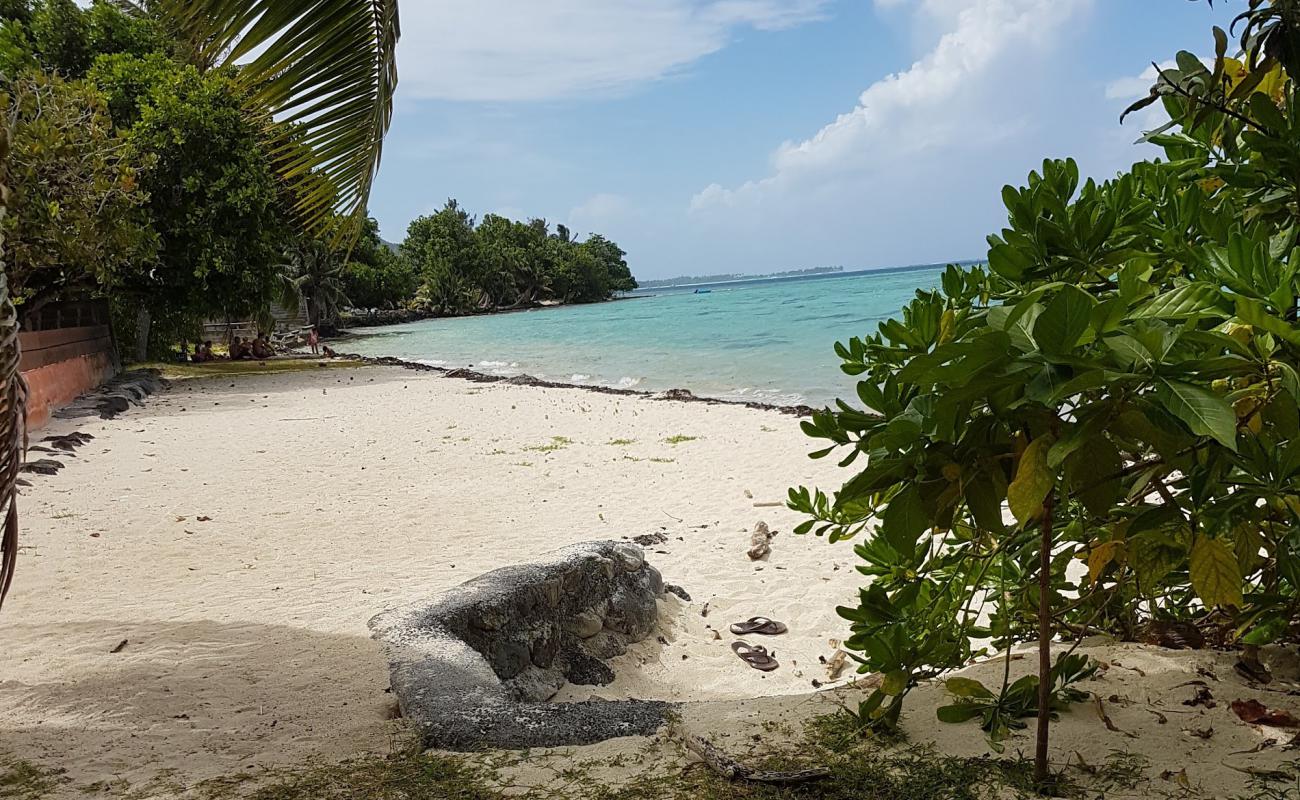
138 173
137 176
465 266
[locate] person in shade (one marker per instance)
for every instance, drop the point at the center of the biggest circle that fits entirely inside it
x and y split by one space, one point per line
313 339
203 353
261 347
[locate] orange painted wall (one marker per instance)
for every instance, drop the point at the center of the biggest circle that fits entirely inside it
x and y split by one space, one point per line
61 365
55 385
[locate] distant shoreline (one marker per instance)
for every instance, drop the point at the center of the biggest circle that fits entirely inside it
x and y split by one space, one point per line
811 276
382 319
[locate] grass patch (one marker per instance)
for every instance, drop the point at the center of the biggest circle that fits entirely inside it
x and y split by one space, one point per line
227 369
837 733
916 775
23 780
620 442
860 769
680 439
556 443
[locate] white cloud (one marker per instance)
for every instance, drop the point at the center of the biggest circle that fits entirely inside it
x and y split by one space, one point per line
956 94
505 50
1134 86
603 212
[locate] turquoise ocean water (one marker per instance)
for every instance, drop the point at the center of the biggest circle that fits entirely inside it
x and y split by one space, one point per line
767 340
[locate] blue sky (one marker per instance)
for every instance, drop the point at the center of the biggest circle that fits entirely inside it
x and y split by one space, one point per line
757 135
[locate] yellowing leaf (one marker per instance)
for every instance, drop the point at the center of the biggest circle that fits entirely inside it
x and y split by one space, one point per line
1216 575
1101 556
966 687
947 326
1249 542
895 682
1033 481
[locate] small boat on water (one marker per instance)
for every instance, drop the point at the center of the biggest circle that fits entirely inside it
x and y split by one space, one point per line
704 291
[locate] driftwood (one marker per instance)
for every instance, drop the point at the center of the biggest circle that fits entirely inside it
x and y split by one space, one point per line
760 544
733 770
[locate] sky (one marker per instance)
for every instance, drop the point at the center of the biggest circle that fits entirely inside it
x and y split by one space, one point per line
751 136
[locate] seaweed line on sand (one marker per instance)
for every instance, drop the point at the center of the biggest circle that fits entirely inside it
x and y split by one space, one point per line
678 395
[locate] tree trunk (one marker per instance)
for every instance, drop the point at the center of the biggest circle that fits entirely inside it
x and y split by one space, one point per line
1041 771
142 321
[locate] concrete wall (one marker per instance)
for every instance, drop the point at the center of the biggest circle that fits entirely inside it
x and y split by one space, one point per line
62 364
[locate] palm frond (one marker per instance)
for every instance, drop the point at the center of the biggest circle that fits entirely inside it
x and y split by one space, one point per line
326 67
13 413
13 434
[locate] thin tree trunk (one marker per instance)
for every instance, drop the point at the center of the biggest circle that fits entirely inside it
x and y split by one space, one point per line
142 321
1041 772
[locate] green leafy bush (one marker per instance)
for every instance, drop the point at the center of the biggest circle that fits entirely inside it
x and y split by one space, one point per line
1115 390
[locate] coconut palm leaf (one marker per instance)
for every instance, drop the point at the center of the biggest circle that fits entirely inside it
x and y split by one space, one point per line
13 414
328 68
13 428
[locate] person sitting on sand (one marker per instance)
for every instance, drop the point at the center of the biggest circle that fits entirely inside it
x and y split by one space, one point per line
239 351
329 352
262 348
313 339
203 353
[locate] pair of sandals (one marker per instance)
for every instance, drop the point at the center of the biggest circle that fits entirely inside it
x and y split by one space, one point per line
757 656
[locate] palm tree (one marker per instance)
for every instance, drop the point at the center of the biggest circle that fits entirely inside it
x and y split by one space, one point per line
312 272
328 67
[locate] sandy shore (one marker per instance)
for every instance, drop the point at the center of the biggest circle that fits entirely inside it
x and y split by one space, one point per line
332 495
195 585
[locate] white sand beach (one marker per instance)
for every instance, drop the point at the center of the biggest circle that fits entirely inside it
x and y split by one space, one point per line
194 587
332 495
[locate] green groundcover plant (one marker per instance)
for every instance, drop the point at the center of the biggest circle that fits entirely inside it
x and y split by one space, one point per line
1098 430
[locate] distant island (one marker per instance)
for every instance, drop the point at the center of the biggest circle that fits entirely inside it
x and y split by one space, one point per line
689 279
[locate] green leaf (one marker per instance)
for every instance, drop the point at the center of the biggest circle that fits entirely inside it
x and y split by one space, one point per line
958 713
1093 473
966 687
1193 299
985 503
1153 556
1064 320
1253 312
1267 630
1204 412
904 520
1033 482
1216 576
1107 316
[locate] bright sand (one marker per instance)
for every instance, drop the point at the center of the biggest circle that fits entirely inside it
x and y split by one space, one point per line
335 494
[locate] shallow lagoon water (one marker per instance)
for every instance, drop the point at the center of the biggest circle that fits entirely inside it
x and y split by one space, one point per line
769 341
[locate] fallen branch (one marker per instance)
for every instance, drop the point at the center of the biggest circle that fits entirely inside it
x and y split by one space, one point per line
733 770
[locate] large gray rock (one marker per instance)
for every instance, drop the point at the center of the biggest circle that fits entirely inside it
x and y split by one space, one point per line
474 667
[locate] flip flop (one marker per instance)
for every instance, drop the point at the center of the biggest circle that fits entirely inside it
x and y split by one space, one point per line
759 625
756 656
